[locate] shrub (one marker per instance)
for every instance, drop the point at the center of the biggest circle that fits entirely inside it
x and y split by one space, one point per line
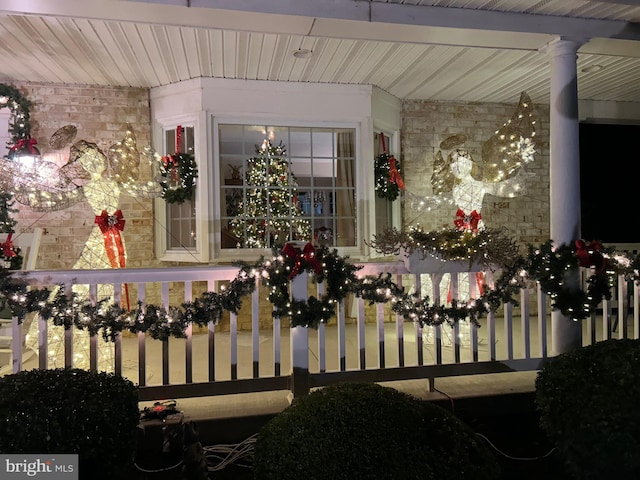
71 411
588 404
364 431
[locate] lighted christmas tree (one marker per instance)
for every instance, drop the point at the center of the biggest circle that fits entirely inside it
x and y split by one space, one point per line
269 214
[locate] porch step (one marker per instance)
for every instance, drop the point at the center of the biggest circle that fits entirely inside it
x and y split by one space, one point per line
5 342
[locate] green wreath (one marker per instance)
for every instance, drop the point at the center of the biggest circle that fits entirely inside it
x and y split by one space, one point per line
181 167
385 188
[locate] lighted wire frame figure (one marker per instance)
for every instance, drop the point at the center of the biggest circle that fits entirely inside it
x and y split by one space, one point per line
460 181
87 175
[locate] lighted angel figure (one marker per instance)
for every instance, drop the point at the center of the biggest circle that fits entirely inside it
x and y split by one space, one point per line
460 181
100 180
90 175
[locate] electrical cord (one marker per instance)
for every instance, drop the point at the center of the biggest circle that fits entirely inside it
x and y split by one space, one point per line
223 455
510 457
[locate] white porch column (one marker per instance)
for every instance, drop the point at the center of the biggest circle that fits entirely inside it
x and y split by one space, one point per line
564 172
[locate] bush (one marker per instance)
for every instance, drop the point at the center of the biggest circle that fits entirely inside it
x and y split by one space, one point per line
365 431
71 411
588 404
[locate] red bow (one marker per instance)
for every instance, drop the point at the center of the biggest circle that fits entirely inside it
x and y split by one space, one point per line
7 247
589 255
467 222
394 174
308 254
23 142
111 226
170 163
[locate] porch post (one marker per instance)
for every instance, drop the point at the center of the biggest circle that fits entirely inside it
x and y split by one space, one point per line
299 343
564 172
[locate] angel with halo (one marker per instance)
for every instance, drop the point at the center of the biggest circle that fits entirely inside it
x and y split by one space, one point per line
460 181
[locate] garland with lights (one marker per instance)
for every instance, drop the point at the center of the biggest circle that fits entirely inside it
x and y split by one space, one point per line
19 132
179 173
546 264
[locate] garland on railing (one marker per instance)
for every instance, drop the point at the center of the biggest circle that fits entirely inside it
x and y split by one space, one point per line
546 264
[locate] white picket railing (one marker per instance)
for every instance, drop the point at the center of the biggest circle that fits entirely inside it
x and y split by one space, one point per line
362 342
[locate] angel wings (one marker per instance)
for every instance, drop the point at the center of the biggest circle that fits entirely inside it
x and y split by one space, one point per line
459 180
45 186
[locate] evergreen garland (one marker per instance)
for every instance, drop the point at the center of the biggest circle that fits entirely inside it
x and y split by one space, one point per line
545 264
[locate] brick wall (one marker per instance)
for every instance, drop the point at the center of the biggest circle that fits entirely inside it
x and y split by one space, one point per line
101 115
426 123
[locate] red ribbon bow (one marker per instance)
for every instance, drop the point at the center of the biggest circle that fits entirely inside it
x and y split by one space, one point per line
308 254
23 142
170 163
589 255
394 174
111 226
467 222
7 247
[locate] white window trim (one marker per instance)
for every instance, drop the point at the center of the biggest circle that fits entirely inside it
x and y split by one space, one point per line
202 201
363 170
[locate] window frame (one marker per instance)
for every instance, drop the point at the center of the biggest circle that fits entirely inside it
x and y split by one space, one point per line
228 254
201 252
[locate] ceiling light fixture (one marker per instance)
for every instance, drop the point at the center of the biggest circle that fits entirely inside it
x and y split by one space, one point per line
592 68
302 53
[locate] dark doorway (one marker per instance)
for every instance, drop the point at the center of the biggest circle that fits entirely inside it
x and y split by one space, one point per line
609 184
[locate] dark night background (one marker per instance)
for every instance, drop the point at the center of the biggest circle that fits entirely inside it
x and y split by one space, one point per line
609 186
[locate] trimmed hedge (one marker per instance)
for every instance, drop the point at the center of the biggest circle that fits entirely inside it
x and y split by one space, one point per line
588 404
71 411
362 431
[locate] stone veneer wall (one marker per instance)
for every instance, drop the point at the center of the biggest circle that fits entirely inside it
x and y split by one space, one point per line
427 123
101 115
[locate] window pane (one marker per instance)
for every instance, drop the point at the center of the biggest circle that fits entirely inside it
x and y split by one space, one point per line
299 185
181 219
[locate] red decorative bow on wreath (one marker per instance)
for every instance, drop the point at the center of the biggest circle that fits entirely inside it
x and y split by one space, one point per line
467 222
394 174
7 247
308 254
589 255
171 162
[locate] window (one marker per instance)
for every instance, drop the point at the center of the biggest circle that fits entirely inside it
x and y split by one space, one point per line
181 217
284 183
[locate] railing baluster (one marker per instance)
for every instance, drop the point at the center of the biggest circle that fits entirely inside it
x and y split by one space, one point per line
508 328
142 342
342 344
361 334
188 342
165 343
93 339
322 341
380 334
117 343
542 321
233 345
400 328
525 322
211 339
623 303
277 343
255 328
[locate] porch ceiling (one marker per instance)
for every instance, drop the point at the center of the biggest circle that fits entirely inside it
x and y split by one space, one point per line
467 50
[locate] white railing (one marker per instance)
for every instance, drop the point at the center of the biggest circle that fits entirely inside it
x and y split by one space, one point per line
362 342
